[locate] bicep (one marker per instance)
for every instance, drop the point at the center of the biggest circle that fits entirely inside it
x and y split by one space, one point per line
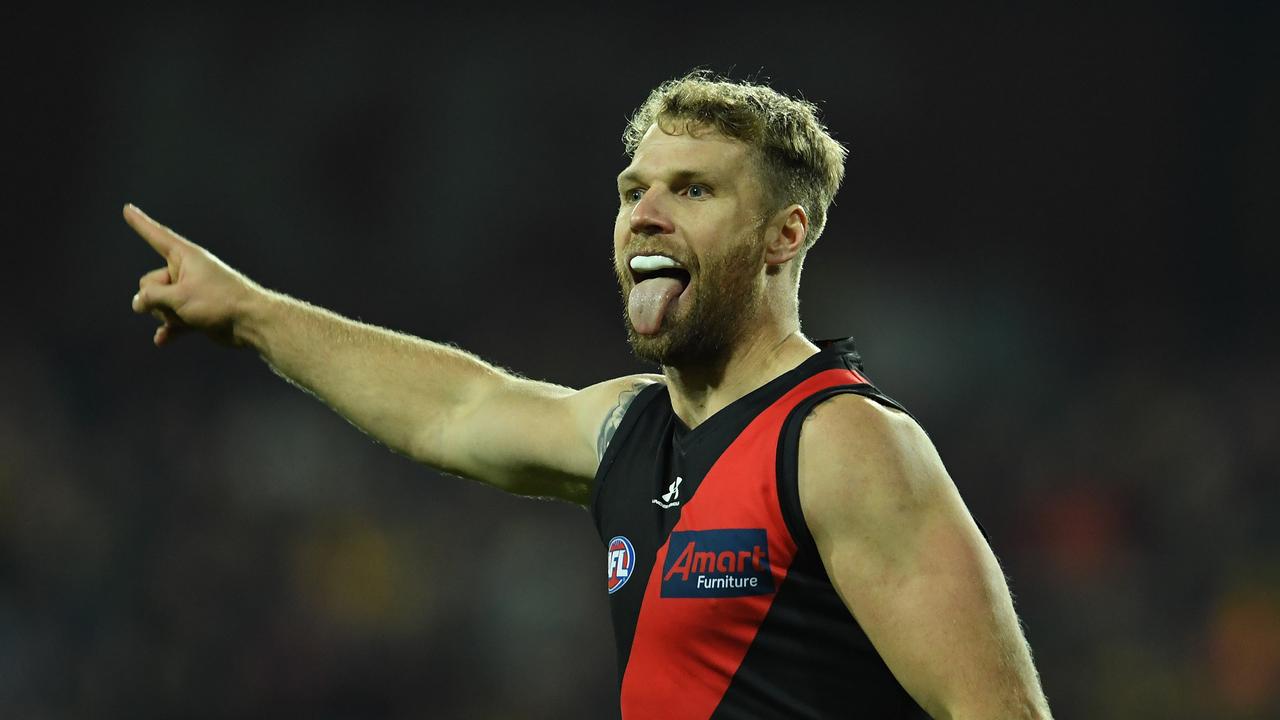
911 565
535 438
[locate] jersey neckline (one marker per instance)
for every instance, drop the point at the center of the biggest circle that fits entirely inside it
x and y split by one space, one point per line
835 352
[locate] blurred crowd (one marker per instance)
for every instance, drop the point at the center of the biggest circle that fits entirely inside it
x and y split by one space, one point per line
1052 247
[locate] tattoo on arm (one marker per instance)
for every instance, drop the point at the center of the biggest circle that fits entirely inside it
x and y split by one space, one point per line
614 418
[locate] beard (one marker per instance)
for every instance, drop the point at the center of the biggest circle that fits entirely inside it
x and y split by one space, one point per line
705 327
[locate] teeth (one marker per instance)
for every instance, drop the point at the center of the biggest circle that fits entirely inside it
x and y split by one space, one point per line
649 263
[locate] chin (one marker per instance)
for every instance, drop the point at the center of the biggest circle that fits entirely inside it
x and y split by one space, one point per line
681 344
650 348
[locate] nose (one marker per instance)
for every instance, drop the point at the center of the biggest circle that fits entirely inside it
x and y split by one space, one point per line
650 215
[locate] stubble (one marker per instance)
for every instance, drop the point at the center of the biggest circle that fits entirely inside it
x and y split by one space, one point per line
727 302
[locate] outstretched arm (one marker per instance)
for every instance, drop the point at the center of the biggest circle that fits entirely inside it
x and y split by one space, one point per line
911 565
433 402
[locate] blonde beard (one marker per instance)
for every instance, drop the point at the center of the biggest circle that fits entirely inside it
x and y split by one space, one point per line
728 300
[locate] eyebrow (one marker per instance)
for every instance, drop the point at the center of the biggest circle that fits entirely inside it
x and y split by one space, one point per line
678 176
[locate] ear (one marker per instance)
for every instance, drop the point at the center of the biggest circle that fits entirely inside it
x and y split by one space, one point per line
792 227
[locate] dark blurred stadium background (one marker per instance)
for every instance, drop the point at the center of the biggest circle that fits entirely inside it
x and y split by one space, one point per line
1056 244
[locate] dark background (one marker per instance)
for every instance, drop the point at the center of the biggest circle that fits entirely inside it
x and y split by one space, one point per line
1055 244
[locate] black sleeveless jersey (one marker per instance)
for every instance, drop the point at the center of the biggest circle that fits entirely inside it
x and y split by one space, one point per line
721 605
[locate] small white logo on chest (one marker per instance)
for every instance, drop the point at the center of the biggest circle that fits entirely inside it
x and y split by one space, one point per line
671 497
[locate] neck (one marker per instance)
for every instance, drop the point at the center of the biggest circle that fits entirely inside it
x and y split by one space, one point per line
699 392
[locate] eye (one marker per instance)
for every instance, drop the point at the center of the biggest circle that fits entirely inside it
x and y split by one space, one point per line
632 195
697 192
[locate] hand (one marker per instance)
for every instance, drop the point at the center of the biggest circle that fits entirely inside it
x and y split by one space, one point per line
195 290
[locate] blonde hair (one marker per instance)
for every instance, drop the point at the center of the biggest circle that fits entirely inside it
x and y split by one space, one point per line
799 160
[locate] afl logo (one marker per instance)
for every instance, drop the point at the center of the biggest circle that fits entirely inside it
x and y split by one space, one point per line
622 558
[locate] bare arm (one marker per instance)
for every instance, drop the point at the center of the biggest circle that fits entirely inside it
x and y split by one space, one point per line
433 402
912 566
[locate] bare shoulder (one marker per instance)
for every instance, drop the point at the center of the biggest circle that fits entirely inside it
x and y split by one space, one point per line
602 406
542 439
856 428
859 458
911 565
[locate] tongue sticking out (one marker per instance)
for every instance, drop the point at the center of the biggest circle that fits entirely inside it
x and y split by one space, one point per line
648 302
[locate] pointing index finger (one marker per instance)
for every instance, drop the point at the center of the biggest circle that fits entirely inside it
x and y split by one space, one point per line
160 238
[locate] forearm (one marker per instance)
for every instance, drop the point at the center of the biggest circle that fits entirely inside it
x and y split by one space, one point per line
435 403
400 389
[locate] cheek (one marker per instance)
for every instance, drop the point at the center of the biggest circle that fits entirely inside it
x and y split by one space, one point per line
621 233
621 229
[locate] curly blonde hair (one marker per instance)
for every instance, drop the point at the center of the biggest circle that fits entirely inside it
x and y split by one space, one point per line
799 160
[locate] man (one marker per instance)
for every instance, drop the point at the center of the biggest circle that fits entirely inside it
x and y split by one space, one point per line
782 539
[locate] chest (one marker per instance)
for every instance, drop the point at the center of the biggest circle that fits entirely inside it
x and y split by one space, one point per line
694 528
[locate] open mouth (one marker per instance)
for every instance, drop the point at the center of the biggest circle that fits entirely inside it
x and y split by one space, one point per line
660 282
648 267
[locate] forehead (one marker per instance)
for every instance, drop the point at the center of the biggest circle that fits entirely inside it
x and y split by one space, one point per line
702 150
